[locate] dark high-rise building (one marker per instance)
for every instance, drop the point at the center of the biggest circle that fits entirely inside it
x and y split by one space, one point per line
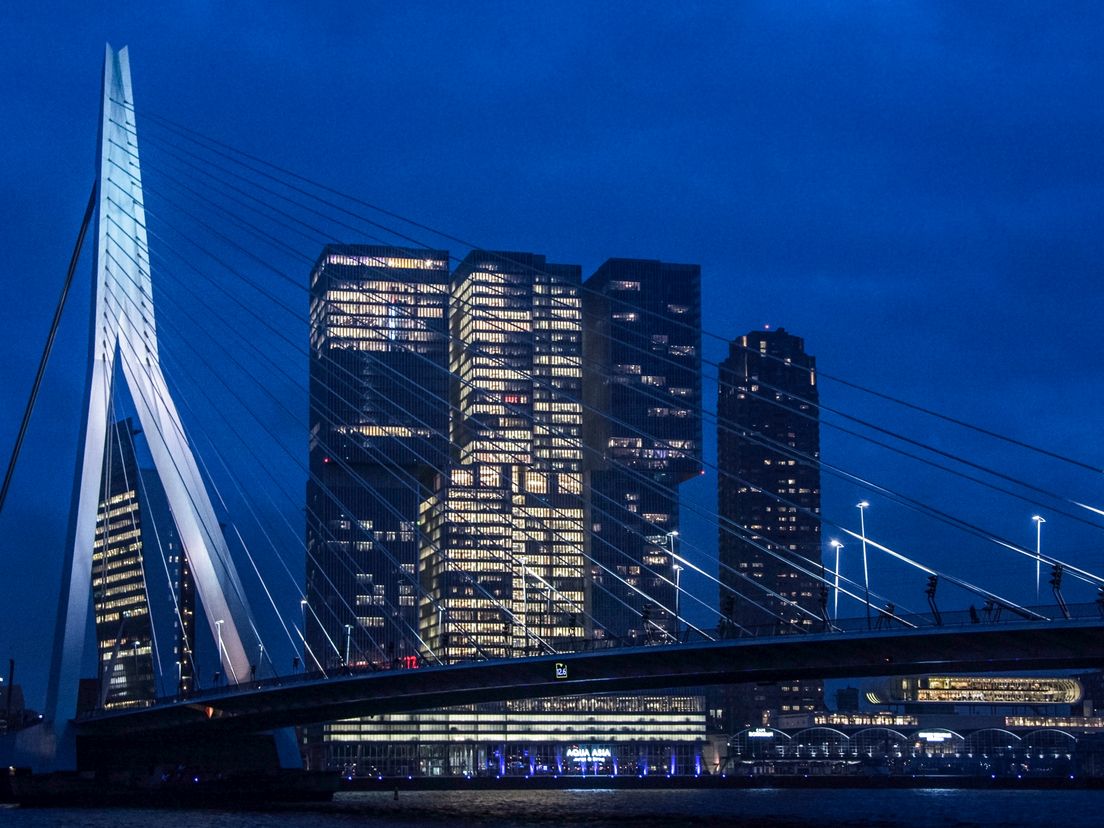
643 373
182 598
768 447
503 561
378 418
124 630
184 623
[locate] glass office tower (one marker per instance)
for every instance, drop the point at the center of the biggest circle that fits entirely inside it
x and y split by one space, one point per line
768 439
378 420
643 383
503 560
124 631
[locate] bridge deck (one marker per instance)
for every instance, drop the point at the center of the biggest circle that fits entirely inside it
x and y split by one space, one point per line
278 703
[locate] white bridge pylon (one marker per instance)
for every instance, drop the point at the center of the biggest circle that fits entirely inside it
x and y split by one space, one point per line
123 334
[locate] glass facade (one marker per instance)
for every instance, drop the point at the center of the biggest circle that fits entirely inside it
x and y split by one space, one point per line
531 737
768 446
124 630
182 598
378 416
184 622
503 561
643 373
974 690
495 530
892 751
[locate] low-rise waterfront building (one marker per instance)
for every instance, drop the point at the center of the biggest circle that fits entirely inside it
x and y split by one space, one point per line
582 735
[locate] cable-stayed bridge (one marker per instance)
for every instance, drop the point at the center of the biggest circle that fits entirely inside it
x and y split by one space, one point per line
547 585
1012 645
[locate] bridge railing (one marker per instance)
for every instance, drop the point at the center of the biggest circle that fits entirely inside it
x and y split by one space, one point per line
892 619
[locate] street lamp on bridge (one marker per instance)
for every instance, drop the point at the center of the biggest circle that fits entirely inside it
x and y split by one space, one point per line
525 602
862 506
835 544
218 626
1039 521
678 624
677 568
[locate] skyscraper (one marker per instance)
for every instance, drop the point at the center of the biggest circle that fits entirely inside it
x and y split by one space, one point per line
503 559
503 550
768 446
643 381
161 532
378 417
124 631
184 624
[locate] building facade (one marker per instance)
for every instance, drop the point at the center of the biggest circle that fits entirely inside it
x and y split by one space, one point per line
986 726
587 735
124 629
161 531
378 416
643 381
503 559
916 693
768 448
499 525
184 652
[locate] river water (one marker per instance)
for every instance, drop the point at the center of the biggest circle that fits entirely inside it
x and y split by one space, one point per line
597 808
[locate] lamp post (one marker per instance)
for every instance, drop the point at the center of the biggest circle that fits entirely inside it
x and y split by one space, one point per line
1039 521
524 603
678 573
218 626
303 622
862 507
678 591
348 641
835 605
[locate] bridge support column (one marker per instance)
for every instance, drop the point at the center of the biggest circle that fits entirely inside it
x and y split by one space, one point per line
123 335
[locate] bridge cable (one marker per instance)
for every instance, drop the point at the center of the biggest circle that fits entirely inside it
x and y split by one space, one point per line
48 348
579 608
1014 547
138 398
333 645
111 256
204 141
300 541
726 587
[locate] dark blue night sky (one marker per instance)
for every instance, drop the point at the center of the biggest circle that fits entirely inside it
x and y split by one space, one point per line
915 188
